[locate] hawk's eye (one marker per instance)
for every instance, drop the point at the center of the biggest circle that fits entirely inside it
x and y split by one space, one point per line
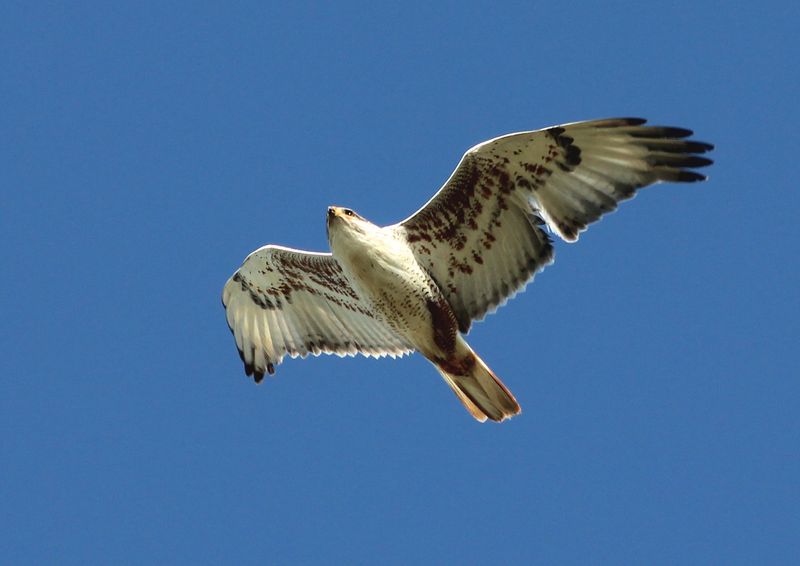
348 212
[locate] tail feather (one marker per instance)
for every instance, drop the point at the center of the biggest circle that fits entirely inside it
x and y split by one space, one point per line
479 389
468 403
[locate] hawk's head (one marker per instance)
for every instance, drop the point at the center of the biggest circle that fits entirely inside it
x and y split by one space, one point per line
346 224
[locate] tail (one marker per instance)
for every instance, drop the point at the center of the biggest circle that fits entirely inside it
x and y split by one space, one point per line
482 393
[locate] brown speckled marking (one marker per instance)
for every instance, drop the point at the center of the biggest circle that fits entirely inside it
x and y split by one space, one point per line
461 226
291 274
294 273
462 266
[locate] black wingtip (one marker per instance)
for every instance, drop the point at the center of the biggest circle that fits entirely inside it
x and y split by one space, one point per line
631 121
662 132
693 146
251 370
621 122
696 161
673 132
690 177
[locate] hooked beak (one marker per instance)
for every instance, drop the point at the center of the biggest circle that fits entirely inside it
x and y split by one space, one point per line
334 212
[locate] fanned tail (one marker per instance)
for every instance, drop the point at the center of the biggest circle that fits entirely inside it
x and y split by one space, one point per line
479 389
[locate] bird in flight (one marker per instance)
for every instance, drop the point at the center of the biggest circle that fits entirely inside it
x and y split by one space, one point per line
419 284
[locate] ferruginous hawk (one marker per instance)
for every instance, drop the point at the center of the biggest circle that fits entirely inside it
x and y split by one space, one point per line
419 284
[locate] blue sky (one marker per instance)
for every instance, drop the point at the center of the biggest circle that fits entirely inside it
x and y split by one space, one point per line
145 151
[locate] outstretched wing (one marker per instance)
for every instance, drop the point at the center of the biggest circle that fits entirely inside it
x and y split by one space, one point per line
283 301
481 238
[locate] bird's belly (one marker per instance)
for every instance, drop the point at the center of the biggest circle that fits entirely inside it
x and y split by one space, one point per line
405 297
399 291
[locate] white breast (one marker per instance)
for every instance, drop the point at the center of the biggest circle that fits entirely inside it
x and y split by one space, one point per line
378 261
382 267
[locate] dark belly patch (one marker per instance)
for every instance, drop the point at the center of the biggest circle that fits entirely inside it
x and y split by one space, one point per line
455 366
445 326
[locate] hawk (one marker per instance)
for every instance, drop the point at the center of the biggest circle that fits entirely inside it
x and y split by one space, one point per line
420 284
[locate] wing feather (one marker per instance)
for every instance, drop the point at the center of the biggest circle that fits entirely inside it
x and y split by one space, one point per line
481 238
290 302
